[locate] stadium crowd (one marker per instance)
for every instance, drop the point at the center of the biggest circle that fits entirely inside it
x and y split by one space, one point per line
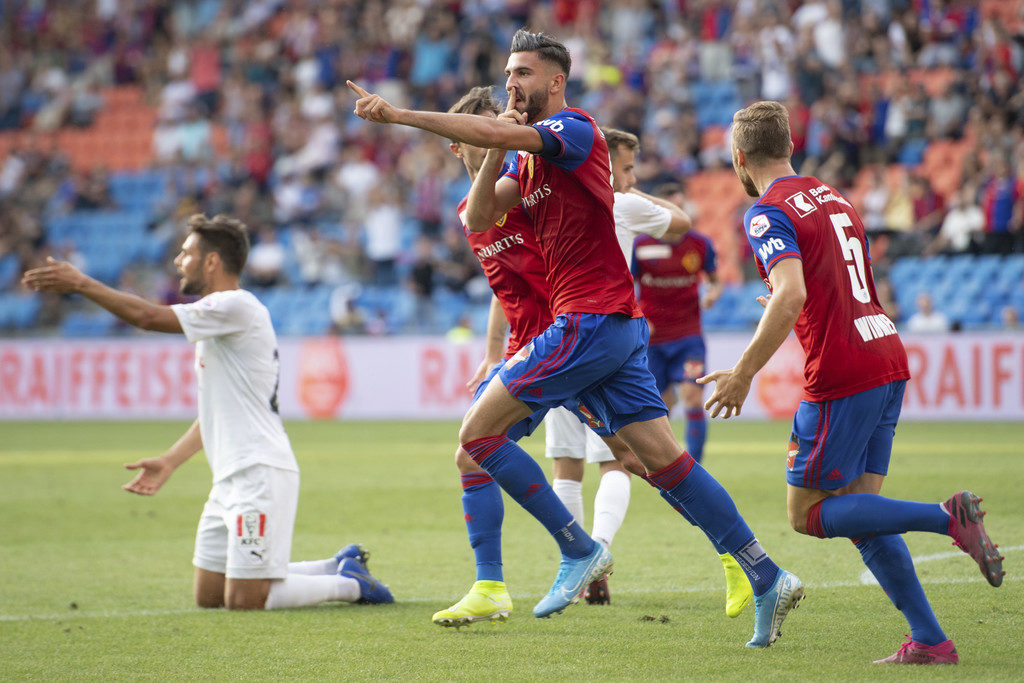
913 107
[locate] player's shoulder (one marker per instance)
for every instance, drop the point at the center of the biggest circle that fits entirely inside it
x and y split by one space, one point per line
697 238
575 114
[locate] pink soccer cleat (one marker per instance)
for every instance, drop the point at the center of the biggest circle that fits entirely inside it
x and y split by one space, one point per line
968 533
912 652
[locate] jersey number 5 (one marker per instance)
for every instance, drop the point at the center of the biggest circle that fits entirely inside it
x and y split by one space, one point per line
853 254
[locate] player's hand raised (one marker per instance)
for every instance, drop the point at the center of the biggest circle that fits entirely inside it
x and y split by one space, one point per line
731 391
764 299
372 107
153 473
55 276
512 115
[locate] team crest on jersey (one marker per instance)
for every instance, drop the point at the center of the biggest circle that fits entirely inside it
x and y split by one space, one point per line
529 166
691 261
794 450
501 221
801 204
592 420
759 225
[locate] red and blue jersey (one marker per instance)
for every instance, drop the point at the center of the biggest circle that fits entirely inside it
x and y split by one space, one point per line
851 345
669 279
566 190
514 267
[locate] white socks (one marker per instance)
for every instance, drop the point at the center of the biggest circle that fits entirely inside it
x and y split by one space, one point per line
610 505
328 566
570 492
305 590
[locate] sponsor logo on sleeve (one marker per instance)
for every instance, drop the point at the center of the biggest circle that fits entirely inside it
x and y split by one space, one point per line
759 225
801 204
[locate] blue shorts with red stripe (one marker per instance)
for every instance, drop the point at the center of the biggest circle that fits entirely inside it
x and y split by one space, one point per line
834 442
676 361
524 427
593 364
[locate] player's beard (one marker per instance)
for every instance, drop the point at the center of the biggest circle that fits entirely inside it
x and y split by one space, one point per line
748 184
536 102
190 286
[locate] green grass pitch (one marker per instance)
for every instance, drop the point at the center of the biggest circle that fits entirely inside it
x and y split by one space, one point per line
95 583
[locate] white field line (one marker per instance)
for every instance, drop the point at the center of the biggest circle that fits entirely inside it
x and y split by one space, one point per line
68 616
868 579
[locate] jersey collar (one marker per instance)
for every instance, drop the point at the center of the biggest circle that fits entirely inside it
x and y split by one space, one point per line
785 177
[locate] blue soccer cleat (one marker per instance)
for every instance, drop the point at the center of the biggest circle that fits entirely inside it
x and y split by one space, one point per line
573 576
772 607
355 551
371 591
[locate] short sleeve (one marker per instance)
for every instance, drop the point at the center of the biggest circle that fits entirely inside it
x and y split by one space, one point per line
215 315
568 139
710 260
640 215
511 167
771 235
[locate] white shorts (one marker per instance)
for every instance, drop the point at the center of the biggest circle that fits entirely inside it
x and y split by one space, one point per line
245 531
566 437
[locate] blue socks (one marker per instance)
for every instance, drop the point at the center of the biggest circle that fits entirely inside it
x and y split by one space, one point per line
696 433
709 506
889 560
523 479
484 511
675 506
865 514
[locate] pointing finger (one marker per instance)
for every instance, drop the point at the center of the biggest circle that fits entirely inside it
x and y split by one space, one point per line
356 89
511 104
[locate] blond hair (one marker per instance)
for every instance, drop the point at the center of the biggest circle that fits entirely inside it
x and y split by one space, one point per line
761 131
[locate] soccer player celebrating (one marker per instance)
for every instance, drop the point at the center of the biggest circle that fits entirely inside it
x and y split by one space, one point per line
245 532
511 260
593 358
813 255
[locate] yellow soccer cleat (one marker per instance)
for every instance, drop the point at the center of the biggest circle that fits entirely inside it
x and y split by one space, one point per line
485 601
738 592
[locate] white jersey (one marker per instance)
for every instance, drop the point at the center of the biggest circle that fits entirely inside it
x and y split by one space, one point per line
237 367
635 215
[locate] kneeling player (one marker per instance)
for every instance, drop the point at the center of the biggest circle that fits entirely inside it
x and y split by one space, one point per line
812 252
245 532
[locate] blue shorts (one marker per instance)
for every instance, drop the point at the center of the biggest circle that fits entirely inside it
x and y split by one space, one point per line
680 360
524 427
595 365
834 442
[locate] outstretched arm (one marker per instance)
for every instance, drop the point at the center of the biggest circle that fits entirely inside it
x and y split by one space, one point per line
61 276
155 471
479 131
679 223
781 312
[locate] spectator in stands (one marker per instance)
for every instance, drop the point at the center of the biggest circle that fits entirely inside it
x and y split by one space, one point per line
962 228
1002 202
926 319
266 259
92 190
1010 318
887 299
382 234
876 200
929 209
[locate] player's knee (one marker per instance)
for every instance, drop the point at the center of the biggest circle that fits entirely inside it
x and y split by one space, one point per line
798 519
209 601
465 463
243 601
